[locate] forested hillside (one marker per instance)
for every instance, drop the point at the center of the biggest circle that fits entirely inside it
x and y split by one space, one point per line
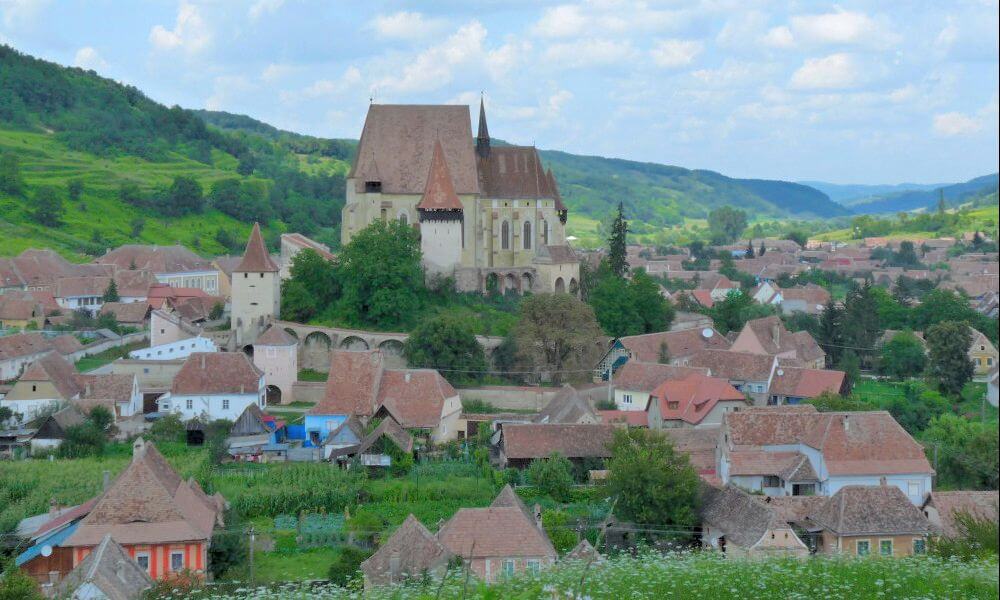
977 190
87 163
853 193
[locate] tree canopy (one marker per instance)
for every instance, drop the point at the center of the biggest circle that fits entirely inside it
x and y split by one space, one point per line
726 224
949 364
558 335
446 343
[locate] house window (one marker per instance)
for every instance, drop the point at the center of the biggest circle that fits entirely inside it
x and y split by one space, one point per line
913 489
627 399
166 406
190 404
507 569
225 404
176 561
534 566
919 546
885 547
771 481
142 559
863 547
403 219
373 187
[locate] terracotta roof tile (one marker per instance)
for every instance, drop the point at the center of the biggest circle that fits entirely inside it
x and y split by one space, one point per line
494 532
691 399
439 193
23 344
415 397
127 312
875 510
979 505
352 385
412 548
155 259
530 441
275 336
735 366
741 518
256 259
806 383
645 376
53 368
217 373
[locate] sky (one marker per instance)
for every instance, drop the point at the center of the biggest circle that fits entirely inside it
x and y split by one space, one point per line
848 92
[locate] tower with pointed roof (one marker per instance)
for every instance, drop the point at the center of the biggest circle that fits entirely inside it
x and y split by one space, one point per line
441 218
256 291
483 136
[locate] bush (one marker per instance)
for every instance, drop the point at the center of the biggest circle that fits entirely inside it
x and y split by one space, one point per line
168 428
557 527
553 476
230 547
978 538
345 567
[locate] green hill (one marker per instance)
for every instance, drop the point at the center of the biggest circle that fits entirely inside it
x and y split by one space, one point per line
954 195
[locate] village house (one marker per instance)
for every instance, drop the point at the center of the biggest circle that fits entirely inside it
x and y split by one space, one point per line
19 310
769 336
349 442
52 430
567 406
276 354
47 383
164 523
749 373
737 524
175 266
106 573
666 347
792 385
489 215
38 270
945 509
810 299
695 401
412 551
982 353
871 520
635 381
19 350
214 385
792 451
130 314
49 530
361 385
521 443
119 393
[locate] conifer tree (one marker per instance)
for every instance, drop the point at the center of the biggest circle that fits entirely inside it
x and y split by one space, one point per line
111 293
749 252
617 258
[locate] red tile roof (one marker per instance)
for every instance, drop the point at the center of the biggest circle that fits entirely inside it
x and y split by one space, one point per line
439 193
156 259
530 441
415 397
735 366
805 383
217 373
680 344
494 532
23 344
256 258
275 336
53 368
645 376
871 510
352 385
633 418
691 399
979 505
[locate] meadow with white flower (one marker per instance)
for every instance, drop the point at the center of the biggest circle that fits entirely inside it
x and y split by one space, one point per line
682 575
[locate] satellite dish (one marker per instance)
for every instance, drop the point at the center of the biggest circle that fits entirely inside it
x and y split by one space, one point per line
707 332
819 307
781 372
46 550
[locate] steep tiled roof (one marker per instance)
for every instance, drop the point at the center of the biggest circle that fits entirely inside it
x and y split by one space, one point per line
632 418
529 441
793 509
567 406
741 518
680 344
514 172
127 312
20 306
352 385
555 255
812 294
275 336
22 344
53 368
645 376
691 399
559 206
788 465
806 383
108 568
508 497
852 443
775 339
874 510
217 373
42 267
439 193
415 397
411 549
979 505
494 532
9 275
66 344
72 287
106 387
395 147
256 259
156 259
148 504
698 443
300 241
735 366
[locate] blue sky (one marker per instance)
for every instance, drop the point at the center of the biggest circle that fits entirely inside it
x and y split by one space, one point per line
878 92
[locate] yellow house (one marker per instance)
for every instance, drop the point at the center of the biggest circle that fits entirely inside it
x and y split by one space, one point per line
982 353
18 310
876 520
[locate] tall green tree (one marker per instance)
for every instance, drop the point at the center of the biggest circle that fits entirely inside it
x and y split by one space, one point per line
860 326
738 307
948 347
553 476
726 224
749 251
617 258
11 180
111 292
381 276
74 189
48 206
448 344
830 338
967 452
903 356
184 197
651 483
558 335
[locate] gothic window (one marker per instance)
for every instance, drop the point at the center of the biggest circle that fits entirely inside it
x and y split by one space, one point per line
505 236
527 235
545 232
403 218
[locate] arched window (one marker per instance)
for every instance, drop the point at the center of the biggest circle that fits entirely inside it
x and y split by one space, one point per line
545 232
405 220
527 235
505 236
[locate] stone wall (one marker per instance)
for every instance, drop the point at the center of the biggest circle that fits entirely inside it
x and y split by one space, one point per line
510 397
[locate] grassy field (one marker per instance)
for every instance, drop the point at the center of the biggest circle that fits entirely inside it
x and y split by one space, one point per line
46 161
977 219
684 575
89 363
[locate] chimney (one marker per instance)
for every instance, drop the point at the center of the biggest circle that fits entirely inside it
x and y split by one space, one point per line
106 480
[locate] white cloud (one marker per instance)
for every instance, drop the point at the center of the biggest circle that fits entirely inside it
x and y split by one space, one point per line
589 53
264 7
405 25
16 11
675 53
841 27
603 18
836 71
503 60
561 21
275 71
948 34
434 67
89 58
956 124
732 74
190 33
779 37
351 79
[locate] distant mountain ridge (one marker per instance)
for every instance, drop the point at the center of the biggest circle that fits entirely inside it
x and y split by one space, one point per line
978 188
854 193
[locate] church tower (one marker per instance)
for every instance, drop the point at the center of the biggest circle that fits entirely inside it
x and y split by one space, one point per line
441 219
483 136
256 291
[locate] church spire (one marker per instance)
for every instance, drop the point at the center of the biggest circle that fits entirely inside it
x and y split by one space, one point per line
483 137
256 258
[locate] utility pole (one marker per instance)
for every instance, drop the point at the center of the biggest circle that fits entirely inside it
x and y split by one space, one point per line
253 538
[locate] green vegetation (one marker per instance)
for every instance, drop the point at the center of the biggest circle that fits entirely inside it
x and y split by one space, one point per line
94 361
312 375
552 476
448 345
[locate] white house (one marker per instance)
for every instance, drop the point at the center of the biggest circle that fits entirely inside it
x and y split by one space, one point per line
175 350
797 451
216 385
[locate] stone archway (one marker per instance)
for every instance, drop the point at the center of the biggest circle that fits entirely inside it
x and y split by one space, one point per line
492 283
391 348
353 342
560 287
509 283
315 353
574 286
292 332
525 282
272 396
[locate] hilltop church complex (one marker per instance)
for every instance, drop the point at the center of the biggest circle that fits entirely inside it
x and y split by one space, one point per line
489 216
